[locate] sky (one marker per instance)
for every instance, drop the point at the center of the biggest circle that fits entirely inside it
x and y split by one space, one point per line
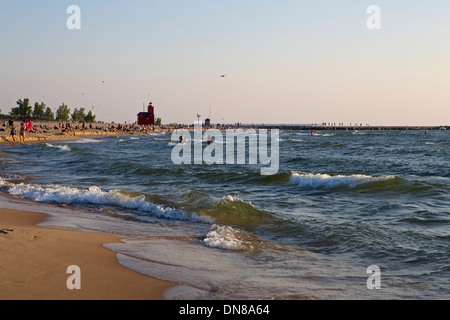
285 61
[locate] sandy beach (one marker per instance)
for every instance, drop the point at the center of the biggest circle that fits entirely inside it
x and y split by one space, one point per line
55 131
35 260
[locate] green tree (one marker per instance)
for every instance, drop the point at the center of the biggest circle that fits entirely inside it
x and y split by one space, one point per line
90 117
81 114
78 115
49 115
38 111
23 110
74 116
158 121
63 113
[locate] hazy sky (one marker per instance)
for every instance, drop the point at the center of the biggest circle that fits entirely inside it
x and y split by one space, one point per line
285 61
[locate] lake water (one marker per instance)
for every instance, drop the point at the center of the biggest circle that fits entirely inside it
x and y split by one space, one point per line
340 202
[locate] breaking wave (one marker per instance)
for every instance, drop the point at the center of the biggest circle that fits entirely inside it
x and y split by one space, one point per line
95 196
234 211
229 238
308 180
62 148
234 239
85 140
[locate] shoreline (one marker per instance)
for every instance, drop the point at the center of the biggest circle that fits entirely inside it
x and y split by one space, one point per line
51 132
35 260
5 137
113 281
55 131
61 137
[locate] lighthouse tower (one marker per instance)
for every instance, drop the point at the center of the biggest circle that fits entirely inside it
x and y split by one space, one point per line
147 118
151 113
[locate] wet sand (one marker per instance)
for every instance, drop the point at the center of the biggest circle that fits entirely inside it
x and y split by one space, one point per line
34 262
34 259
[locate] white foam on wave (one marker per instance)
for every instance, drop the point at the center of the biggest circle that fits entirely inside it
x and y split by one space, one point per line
308 180
296 140
230 198
62 148
85 140
228 238
96 196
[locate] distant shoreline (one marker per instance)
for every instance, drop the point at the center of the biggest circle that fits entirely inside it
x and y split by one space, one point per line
53 131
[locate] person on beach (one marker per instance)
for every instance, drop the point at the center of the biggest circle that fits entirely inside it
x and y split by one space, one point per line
13 133
22 133
28 125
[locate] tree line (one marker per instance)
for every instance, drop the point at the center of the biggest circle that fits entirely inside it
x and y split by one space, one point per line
25 111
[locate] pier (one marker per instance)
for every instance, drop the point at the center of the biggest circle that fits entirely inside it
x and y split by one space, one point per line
316 127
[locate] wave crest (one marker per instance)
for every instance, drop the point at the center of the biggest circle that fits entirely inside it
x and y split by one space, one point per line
233 211
96 196
62 148
229 238
308 180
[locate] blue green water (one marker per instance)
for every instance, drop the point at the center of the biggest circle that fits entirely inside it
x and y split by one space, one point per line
340 203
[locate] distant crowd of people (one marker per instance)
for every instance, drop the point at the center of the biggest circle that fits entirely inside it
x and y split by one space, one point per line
68 128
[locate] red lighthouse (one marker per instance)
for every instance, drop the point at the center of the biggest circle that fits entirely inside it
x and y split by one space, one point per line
147 118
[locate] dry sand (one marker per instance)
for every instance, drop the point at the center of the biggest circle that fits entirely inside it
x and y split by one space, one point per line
34 262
